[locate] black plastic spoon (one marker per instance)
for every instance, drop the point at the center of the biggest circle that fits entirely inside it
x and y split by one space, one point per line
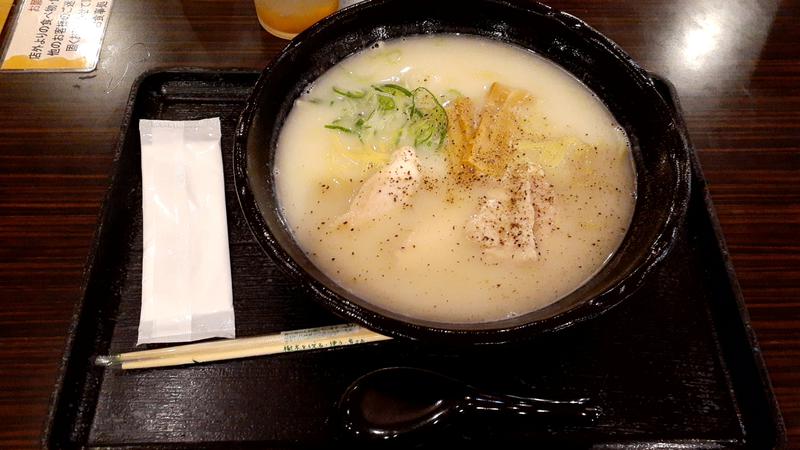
395 401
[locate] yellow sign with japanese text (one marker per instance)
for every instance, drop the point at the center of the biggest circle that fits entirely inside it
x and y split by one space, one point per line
57 35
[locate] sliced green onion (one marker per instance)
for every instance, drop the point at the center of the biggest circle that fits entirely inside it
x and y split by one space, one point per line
392 89
429 119
424 136
386 103
349 94
405 117
331 126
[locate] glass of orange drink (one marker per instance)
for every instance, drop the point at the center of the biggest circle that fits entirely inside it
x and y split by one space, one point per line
286 18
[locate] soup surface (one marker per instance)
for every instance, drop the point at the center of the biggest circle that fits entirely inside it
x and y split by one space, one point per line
454 179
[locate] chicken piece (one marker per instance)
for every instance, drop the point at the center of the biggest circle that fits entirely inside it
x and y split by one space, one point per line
506 223
387 189
498 126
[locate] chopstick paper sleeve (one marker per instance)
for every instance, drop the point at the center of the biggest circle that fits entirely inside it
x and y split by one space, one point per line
186 275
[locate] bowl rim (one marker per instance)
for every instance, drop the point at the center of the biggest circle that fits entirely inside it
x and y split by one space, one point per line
438 332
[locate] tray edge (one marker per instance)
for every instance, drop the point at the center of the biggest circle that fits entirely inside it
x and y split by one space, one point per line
781 439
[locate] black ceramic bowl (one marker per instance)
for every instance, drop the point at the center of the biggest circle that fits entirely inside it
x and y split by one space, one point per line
660 151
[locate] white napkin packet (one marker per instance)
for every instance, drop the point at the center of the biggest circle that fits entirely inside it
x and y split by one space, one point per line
186 273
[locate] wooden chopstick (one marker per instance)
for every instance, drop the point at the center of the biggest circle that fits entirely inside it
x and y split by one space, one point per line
288 341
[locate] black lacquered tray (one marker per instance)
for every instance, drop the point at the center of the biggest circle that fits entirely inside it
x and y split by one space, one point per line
675 367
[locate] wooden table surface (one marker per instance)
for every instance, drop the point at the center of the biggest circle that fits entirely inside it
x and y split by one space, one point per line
736 65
